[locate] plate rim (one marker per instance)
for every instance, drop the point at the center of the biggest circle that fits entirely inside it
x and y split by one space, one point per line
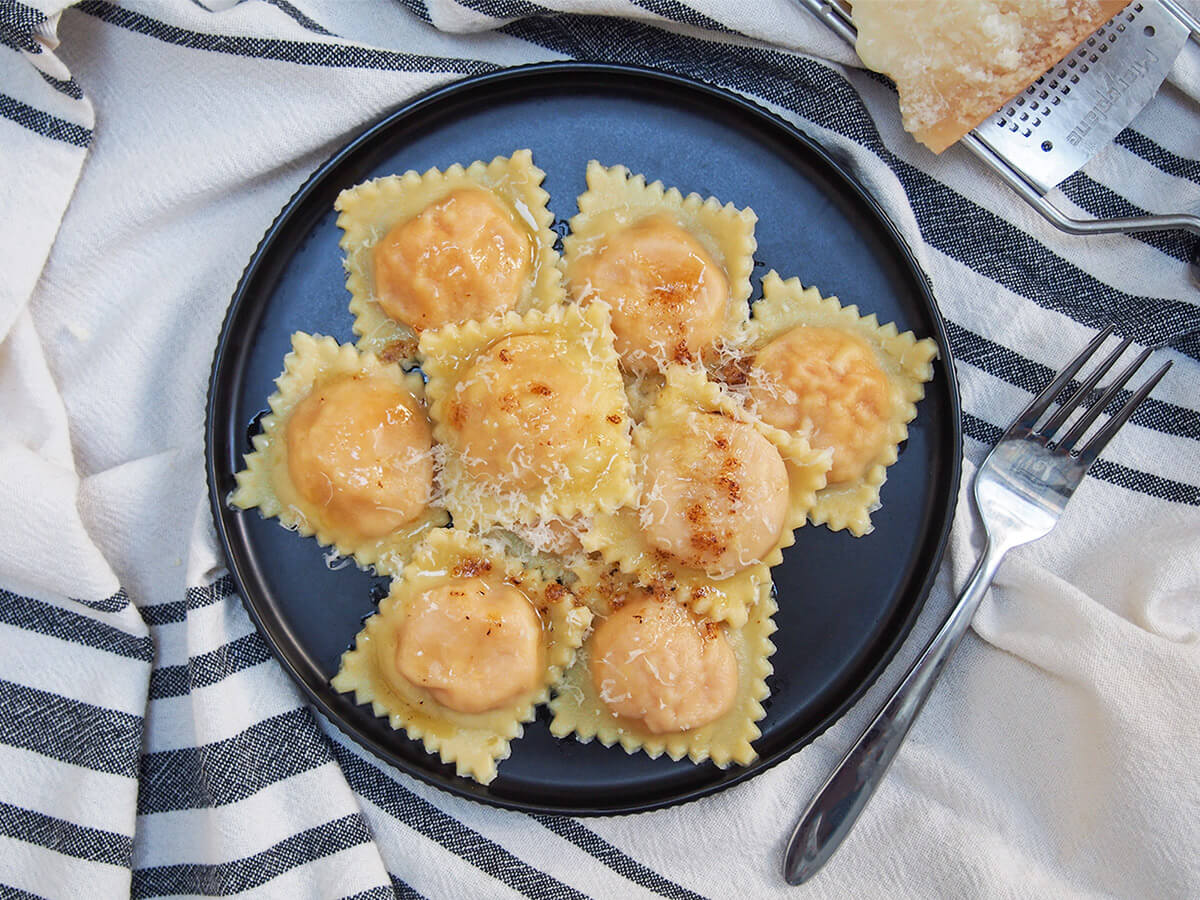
452 783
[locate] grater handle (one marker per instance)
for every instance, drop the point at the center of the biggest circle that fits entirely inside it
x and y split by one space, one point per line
1063 222
1181 221
1183 16
834 17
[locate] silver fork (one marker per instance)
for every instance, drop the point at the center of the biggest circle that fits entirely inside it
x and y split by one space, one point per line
1020 490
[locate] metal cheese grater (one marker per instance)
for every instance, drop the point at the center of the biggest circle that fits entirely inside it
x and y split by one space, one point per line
1072 112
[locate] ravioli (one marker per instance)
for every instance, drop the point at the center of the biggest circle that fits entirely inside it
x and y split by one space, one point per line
675 270
845 382
656 677
532 415
719 496
424 251
716 493
345 455
464 647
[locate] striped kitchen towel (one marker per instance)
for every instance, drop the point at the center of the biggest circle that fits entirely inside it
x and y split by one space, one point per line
150 745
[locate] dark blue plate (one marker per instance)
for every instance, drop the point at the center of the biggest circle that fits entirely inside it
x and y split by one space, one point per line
845 604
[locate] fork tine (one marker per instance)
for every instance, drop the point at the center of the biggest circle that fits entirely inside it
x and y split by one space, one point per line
1072 437
1029 416
1089 453
1063 413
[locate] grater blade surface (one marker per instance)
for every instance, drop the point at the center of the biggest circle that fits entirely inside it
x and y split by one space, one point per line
1074 110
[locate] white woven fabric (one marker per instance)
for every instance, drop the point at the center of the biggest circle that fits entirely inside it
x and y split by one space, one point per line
149 744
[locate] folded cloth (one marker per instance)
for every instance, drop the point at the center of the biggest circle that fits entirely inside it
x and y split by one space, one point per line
150 744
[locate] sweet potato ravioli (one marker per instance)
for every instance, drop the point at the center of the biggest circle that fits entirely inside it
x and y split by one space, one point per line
578 470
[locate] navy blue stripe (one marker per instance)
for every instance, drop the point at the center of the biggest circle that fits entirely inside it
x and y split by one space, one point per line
209 668
11 893
224 879
195 598
681 12
403 890
17 24
14 42
666 9
301 53
105 740
503 9
1103 469
44 124
1144 482
61 836
382 892
948 222
979 430
1008 365
54 621
1158 156
625 866
1017 261
418 9
1103 202
115 603
422 816
227 771
300 18
67 87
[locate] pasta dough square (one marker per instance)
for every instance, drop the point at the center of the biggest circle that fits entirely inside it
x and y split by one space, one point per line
577 707
319 369
631 537
495 249
532 415
675 270
843 380
445 567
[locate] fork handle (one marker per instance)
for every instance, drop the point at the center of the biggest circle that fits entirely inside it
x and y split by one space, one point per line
833 811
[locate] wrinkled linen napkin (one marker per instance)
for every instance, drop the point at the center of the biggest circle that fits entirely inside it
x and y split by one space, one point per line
149 743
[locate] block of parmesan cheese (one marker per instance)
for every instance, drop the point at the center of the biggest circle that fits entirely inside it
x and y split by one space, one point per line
955 62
